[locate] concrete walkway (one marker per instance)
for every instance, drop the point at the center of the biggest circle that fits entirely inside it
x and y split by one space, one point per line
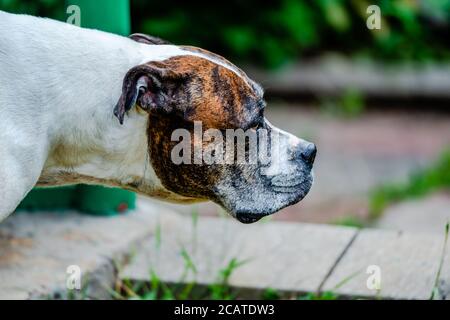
293 258
36 249
418 215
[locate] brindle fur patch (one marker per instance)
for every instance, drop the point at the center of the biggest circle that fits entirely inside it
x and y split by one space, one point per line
208 92
211 93
189 180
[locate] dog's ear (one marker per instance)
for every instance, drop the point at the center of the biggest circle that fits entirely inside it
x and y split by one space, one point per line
151 87
145 38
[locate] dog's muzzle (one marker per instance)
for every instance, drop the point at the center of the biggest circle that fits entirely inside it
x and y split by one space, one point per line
267 194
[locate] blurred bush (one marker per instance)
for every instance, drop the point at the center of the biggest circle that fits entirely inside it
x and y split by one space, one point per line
349 104
273 33
44 8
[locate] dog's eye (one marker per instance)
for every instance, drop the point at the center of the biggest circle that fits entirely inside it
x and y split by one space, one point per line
256 126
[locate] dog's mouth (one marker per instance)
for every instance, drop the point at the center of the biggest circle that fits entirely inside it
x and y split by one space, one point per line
251 205
288 183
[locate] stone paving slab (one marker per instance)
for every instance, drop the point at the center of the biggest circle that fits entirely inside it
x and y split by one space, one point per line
286 256
408 264
207 244
37 248
418 215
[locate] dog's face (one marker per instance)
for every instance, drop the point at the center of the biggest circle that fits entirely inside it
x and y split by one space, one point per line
202 88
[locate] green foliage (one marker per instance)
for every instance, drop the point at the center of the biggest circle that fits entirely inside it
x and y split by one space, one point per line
348 105
350 221
156 288
420 184
271 294
221 290
435 290
273 33
46 8
327 295
352 102
189 264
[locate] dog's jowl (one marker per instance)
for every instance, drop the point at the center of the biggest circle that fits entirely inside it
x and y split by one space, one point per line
84 106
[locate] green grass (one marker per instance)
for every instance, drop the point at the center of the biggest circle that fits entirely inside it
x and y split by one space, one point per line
433 178
435 290
221 290
327 295
350 221
156 289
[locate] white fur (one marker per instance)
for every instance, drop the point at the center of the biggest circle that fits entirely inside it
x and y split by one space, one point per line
58 87
282 142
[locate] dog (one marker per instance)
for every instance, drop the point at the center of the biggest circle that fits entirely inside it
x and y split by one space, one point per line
84 106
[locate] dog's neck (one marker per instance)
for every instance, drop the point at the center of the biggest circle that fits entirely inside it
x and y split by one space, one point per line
108 154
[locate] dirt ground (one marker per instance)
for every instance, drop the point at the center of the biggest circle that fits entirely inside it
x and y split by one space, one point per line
354 155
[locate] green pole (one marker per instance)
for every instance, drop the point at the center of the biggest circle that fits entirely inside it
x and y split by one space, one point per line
111 16
107 15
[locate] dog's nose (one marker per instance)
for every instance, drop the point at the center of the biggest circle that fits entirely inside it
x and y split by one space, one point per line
308 154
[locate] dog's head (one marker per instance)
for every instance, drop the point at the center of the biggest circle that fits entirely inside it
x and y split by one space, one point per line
208 138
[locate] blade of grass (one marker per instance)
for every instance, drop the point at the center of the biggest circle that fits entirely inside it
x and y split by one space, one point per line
441 263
